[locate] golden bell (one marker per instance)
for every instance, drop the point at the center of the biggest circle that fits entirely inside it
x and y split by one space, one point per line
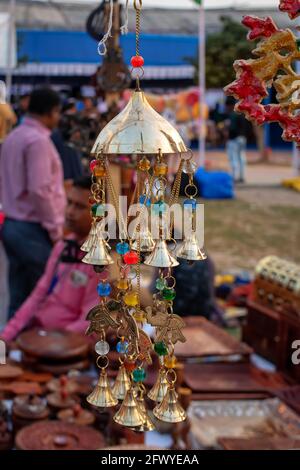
170 410
91 239
160 388
129 414
138 129
102 395
147 424
98 255
122 384
146 242
190 249
161 257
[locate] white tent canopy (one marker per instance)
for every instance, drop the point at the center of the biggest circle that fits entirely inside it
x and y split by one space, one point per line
190 4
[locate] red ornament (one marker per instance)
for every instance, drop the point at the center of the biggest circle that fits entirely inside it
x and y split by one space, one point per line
93 165
129 366
137 61
292 7
131 257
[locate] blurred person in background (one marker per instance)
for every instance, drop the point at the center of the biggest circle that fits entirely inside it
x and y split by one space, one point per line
68 287
237 142
8 117
22 107
32 195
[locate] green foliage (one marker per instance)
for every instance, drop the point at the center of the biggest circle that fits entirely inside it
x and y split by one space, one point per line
222 49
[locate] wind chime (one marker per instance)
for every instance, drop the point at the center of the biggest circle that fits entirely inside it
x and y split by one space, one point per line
276 54
148 141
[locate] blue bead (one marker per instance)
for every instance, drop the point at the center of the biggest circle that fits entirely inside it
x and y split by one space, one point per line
191 203
104 289
122 347
159 207
145 201
122 248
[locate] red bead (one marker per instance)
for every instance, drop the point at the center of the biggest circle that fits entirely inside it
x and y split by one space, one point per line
137 61
129 366
131 257
93 165
91 200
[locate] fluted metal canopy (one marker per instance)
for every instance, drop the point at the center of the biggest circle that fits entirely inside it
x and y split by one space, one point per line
138 129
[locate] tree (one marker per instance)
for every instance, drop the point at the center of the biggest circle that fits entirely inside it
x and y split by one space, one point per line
222 49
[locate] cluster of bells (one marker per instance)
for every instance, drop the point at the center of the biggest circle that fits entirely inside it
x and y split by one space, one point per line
132 412
138 132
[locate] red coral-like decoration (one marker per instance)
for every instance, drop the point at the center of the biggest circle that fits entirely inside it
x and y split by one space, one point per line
292 7
260 27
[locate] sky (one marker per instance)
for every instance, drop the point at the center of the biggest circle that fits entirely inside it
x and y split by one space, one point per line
245 4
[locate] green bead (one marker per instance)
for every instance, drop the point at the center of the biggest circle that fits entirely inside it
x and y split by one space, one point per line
139 375
98 210
160 283
169 294
161 349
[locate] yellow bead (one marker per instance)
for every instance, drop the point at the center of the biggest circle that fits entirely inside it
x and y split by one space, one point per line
160 169
170 362
100 171
144 164
131 299
123 284
139 316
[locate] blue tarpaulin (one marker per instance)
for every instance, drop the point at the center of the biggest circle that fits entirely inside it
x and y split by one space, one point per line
79 47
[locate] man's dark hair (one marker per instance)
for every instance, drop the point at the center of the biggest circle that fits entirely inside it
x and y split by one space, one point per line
43 101
84 182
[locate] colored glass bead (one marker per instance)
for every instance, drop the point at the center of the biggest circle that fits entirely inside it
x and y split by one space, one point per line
104 289
160 169
98 210
160 348
160 283
139 375
137 61
122 284
102 348
190 203
170 362
159 207
169 294
91 200
189 167
122 347
122 248
144 164
131 257
93 165
145 201
129 366
99 171
131 299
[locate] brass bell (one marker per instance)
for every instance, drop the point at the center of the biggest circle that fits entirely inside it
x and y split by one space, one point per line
161 257
129 414
122 384
190 249
146 242
147 424
102 395
137 130
160 388
91 239
98 255
170 410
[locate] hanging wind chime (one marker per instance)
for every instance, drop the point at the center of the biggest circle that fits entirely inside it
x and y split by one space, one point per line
148 141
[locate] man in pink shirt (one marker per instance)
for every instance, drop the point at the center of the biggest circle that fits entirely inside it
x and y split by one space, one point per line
32 195
68 289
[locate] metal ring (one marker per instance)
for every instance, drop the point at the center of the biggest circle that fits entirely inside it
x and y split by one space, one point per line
102 358
190 155
171 376
192 194
175 243
171 278
137 7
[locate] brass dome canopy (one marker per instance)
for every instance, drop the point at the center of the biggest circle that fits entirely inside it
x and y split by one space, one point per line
138 130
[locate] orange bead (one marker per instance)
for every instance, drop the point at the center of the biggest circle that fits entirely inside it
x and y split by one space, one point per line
144 164
160 169
129 366
170 362
123 284
139 316
99 171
